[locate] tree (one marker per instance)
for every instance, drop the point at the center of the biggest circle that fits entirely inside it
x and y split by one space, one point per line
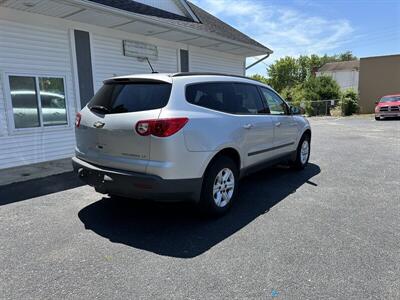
260 78
346 56
319 88
295 95
288 72
283 73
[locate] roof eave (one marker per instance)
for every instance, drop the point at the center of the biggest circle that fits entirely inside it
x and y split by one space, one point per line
252 49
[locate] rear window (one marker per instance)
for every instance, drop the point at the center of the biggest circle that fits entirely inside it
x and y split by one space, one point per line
115 98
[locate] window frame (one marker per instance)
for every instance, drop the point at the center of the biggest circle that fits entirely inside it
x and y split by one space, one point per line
12 130
230 82
287 112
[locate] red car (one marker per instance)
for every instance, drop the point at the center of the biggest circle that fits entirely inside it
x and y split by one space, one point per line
388 106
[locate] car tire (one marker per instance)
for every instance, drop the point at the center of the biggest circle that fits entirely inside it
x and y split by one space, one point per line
377 118
304 147
220 186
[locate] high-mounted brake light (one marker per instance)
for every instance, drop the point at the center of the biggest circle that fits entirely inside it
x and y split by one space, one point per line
160 127
78 120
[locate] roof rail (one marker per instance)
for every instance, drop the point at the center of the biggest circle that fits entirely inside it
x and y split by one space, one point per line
182 74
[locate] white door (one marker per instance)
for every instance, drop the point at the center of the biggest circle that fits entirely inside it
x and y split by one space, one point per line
285 127
257 127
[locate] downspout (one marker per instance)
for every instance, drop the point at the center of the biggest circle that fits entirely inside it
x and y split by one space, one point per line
258 61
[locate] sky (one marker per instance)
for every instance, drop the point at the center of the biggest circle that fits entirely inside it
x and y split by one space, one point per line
303 27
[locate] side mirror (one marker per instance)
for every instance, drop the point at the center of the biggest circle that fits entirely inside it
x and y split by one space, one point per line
295 110
376 102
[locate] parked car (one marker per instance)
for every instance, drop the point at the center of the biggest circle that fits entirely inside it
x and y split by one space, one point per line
185 136
388 107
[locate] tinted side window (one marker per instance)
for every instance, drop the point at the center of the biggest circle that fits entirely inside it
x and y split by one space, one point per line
248 99
121 98
234 98
276 105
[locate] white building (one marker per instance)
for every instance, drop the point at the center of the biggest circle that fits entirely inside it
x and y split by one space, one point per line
345 73
54 55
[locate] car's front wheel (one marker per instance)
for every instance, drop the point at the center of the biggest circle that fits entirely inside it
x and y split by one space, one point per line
302 152
220 186
377 118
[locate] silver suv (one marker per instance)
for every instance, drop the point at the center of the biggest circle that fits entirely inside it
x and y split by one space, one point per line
185 136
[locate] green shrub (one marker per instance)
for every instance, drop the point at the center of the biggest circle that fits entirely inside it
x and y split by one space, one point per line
295 95
349 102
319 88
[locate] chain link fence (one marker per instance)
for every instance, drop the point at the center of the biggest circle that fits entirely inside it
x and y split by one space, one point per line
320 107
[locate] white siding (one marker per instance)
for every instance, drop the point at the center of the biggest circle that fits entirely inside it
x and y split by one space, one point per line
108 60
345 79
37 45
201 60
31 50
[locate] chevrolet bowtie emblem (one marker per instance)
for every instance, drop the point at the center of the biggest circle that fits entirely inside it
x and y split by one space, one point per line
99 124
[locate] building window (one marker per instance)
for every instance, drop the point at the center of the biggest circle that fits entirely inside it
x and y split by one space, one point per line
184 58
37 101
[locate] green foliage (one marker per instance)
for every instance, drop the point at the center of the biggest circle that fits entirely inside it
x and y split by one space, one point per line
288 72
260 78
284 73
313 89
349 102
295 95
319 88
294 78
346 56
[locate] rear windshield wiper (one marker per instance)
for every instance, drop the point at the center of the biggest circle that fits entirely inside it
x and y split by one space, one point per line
100 108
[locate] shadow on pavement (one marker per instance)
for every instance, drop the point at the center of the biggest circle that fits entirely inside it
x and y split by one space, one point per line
175 229
25 190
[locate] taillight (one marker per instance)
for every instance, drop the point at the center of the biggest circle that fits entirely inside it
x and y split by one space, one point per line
160 127
78 120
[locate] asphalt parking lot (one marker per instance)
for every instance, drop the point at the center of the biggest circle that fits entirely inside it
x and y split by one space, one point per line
330 231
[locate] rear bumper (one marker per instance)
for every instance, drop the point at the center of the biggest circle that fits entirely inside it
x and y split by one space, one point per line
137 185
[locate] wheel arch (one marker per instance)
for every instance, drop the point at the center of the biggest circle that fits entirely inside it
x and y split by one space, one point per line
230 152
307 132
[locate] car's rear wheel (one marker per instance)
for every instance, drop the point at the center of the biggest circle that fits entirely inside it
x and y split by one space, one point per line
220 186
302 152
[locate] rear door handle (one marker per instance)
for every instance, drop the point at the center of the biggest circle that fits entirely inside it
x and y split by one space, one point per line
277 124
248 126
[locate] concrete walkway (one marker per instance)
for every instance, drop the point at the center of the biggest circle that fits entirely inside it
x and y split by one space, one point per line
33 171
